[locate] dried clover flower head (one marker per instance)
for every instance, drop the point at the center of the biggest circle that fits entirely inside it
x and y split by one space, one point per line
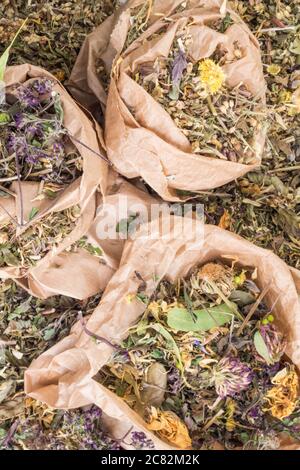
211 76
274 340
282 399
231 376
169 427
211 275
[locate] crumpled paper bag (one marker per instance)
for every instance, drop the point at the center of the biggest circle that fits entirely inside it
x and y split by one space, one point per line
64 376
141 138
81 192
79 274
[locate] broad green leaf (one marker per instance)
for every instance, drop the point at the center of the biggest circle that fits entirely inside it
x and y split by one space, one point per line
180 319
4 57
261 347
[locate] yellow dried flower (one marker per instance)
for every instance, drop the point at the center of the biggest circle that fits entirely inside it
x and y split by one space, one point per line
240 279
169 427
285 96
211 75
274 69
154 308
282 399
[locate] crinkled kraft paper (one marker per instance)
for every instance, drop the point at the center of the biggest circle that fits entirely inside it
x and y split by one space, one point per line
81 192
140 137
64 376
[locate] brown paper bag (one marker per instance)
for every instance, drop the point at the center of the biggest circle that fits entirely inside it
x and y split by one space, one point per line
63 376
79 274
81 192
141 138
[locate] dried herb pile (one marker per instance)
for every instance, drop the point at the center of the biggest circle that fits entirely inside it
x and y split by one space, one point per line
34 143
26 249
28 327
54 32
263 207
218 121
206 364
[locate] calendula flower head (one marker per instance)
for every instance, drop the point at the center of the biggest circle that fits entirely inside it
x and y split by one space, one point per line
170 428
282 398
274 340
211 275
211 76
231 376
285 96
274 69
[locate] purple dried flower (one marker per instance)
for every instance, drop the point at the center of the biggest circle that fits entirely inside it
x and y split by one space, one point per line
179 66
16 143
140 441
273 369
34 131
274 340
255 415
20 121
174 381
231 376
43 86
58 149
27 97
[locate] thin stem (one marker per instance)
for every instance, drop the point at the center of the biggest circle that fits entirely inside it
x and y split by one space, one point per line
253 309
95 336
91 150
9 215
20 189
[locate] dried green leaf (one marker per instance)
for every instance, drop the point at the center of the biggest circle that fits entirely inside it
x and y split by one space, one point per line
181 320
261 347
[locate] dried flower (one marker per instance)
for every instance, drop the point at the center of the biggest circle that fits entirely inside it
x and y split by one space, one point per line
27 97
285 96
282 399
179 65
174 381
210 274
231 376
211 76
274 340
140 441
42 86
169 427
274 69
